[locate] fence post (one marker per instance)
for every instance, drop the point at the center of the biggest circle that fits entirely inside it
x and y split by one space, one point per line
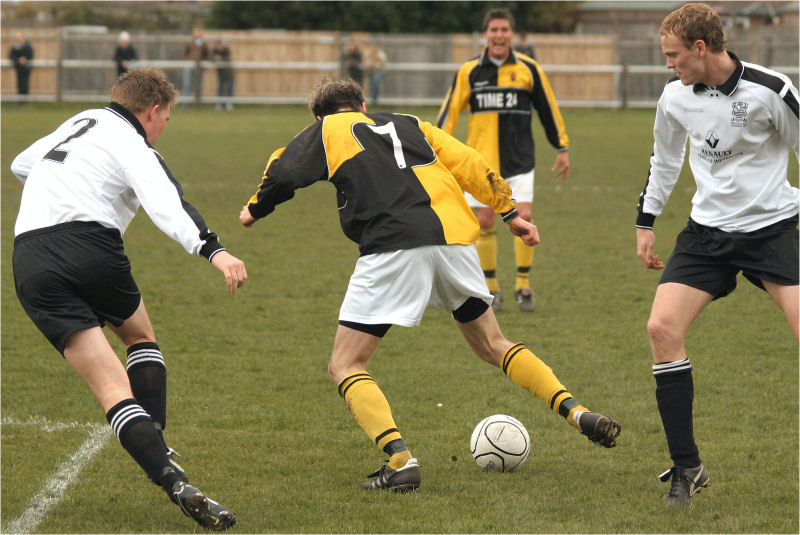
60 66
623 84
198 81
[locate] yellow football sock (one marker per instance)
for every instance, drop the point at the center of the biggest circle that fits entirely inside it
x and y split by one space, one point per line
487 253
371 411
524 258
398 460
529 372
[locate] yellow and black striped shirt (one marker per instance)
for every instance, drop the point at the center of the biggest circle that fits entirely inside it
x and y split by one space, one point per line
398 180
500 101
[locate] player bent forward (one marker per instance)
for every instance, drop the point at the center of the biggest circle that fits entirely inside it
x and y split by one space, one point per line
83 184
399 187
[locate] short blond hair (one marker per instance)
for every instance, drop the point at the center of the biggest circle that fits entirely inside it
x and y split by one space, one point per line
139 89
697 21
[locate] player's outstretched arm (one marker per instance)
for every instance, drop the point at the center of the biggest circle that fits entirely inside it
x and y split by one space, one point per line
645 243
233 269
246 218
525 230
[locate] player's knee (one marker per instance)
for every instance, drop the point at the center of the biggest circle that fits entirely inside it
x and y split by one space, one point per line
134 340
661 333
486 220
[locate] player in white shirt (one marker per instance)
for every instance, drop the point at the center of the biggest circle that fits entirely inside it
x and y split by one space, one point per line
741 120
83 184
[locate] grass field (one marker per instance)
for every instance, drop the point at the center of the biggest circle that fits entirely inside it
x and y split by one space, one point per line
262 429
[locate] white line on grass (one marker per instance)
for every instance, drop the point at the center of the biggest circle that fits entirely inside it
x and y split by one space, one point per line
44 424
53 490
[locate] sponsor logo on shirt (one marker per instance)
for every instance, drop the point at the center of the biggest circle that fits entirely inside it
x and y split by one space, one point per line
496 101
714 155
739 113
712 139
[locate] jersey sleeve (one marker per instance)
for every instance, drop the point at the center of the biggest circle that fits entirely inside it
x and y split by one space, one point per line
22 164
298 165
544 102
161 197
785 116
472 172
454 102
669 148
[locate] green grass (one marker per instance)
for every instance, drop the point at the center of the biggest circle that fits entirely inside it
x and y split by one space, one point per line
260 424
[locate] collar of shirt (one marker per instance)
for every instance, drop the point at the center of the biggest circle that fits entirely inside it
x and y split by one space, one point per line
485 60
119 109
730 84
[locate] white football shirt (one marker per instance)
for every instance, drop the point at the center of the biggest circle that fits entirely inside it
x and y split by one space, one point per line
740 135
97 166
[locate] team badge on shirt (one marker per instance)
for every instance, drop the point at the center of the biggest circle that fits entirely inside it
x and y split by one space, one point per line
739 113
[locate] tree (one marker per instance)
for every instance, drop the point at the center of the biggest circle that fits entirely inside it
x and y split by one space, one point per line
388 17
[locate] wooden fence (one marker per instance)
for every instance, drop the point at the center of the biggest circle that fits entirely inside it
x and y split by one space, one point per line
282 66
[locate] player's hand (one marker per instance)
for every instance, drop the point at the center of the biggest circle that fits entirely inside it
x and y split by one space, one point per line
561 166
233 269
525 230
245 218
645 242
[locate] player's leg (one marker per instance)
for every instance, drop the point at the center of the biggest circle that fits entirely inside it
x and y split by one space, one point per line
367 403
386 289
522 190
147 372
788 300
524 260
479 327
353 346
775 251
93 358
674 309
486 245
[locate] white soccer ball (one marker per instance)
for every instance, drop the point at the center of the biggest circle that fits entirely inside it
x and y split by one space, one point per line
500 443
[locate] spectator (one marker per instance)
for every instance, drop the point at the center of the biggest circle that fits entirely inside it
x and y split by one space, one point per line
375 63
21 55
352 63
524 46
221 54
124 53
197 51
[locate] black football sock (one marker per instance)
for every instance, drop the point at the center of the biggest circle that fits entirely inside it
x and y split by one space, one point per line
137 434
675 394
148 377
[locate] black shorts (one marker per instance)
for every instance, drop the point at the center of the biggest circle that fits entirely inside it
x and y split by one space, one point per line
709 259
73 276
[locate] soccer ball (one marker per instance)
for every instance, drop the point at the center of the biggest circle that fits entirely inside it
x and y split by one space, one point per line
500 443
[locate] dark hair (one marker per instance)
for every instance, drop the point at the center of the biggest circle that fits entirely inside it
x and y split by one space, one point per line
498 13
139 89
693 22
330 96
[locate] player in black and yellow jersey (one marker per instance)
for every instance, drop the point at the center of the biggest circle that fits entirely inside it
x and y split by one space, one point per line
502 87
399 184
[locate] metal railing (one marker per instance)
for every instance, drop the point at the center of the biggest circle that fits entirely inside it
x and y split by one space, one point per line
619 77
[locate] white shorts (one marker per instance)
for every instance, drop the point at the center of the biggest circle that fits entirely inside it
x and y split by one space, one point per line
396 287
521 190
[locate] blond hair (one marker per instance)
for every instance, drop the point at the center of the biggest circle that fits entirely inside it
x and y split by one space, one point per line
139 89
693 22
